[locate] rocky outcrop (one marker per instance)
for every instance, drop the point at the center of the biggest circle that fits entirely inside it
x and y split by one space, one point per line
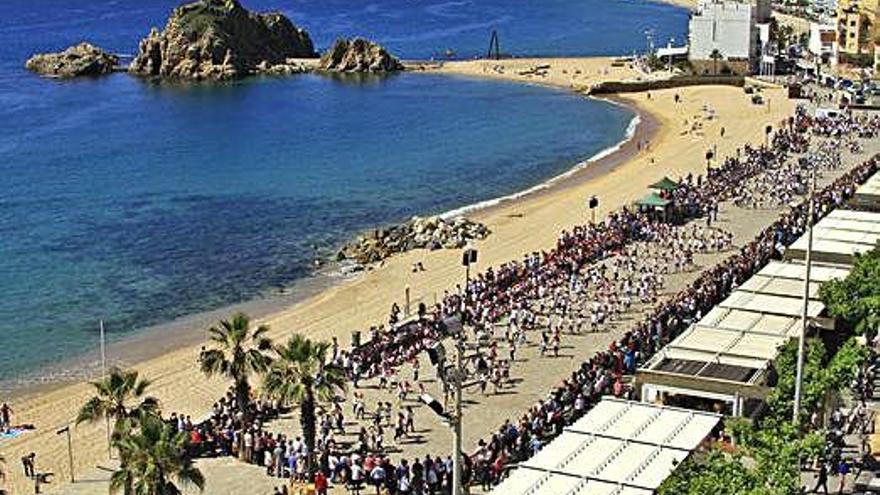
419 233
358 55
79 60
218 40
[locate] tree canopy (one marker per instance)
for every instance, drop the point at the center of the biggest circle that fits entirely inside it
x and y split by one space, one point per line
855 300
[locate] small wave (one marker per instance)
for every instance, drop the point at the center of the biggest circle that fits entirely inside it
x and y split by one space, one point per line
630 133
446 9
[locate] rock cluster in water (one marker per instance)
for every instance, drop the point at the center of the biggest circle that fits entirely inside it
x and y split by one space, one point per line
218 40
358 55
79 60
419 233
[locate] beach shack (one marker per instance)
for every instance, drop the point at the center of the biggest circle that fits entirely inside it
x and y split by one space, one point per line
656 206
867 196
839 236
725 361
665 185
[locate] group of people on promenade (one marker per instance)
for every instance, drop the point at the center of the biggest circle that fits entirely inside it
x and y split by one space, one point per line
515 286
595 274
547 290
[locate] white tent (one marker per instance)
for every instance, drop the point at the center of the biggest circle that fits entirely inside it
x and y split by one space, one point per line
619 447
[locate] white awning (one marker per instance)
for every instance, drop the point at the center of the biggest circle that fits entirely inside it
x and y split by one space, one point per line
619 447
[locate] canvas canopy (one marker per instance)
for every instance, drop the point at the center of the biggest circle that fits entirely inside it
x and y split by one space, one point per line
654 200
664 184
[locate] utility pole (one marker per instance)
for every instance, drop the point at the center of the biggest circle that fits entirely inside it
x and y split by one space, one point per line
104 377
592 204
66 429
468 258
799 379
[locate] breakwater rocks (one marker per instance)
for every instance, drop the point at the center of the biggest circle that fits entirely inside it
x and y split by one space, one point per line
218 40
358 55
82 60
419 233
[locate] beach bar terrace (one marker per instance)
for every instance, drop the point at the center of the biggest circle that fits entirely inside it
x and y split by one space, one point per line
838 237
620 447
867 196
724 361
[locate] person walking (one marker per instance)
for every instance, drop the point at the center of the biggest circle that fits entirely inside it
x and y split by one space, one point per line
822 479
5 416
27 463
842 471
321 483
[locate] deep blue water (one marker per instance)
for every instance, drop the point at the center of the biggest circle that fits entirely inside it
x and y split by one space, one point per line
137 204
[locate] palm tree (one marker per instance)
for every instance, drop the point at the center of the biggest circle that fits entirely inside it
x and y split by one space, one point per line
300 374
120 398
715 56
237 354
157 459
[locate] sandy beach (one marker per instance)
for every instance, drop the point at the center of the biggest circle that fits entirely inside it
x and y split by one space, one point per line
672 140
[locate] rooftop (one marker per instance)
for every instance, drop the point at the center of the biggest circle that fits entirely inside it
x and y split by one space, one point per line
619 447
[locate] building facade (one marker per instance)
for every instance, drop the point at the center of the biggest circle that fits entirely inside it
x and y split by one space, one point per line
823 41
857 26
728 27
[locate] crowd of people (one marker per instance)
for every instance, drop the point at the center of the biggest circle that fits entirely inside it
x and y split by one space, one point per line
595 274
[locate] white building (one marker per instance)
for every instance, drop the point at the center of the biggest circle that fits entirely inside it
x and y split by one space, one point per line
727 26
823 40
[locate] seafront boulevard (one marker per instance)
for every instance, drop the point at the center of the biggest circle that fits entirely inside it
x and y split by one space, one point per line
675 145
532 374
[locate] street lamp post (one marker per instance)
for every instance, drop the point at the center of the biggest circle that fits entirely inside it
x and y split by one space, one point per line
592 204
468 258
799 379
66 430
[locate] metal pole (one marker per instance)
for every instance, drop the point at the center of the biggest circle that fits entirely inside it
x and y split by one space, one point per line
66 430
456 425
70 455
407 301
104 377
103 352
799 379
459 379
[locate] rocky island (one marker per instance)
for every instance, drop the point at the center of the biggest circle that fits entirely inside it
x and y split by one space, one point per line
219 40
79 60
358 55
419 233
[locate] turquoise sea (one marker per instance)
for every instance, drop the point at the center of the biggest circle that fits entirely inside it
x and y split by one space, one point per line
137 204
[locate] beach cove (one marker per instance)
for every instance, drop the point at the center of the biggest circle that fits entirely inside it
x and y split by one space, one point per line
121 194
536 198
519 226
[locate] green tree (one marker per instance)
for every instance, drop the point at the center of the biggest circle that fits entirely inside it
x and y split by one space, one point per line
774 447
237 354
780 402
158 461
300 374
855 300
716 473
120 397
